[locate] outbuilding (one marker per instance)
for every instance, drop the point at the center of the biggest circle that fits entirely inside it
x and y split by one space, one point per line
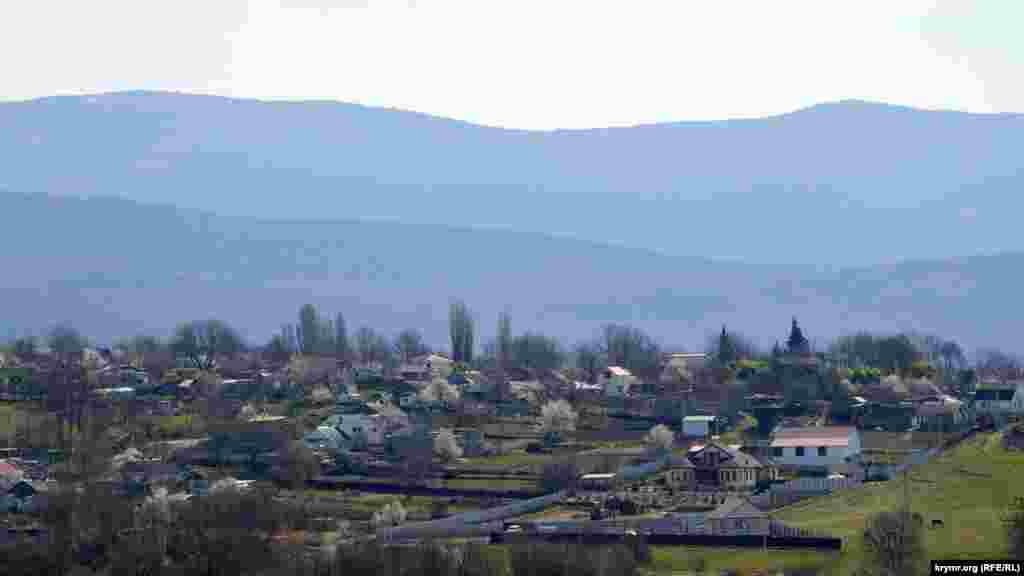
698 426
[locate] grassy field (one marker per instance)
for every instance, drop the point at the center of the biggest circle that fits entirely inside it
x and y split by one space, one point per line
515 458
679 560
968 489
969 504
482 484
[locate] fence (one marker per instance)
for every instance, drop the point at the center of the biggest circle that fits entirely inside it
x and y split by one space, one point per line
475 523
745 541
389 488
800 488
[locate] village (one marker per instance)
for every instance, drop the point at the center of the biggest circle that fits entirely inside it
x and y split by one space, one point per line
699 450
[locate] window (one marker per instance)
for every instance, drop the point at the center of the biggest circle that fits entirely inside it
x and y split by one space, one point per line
777 451
799 450
822 451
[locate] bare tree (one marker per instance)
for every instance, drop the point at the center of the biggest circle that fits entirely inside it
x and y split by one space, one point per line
439 390
342 347
277 350
310 330
66 394
535 351
894 544
588 360
409 344
372 347
503 344
446 446
202 341
392 514
139 347
661 439
25 348
557 418
1015 529
630 348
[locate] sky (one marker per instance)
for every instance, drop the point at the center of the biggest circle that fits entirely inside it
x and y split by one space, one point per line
529 64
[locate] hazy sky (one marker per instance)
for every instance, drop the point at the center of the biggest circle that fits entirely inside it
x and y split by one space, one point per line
525 63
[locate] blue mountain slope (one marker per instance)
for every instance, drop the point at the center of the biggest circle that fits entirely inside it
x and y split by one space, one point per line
848 183
114 267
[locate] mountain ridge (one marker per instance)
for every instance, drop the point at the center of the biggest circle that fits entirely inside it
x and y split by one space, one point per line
839 183
119 267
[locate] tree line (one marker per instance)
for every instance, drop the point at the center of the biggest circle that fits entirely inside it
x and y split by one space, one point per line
201 341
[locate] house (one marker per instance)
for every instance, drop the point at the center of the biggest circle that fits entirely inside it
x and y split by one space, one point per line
259 435
737 516
367 422
698 426
325 438
681 365
147 473
438 366
599 482
617 381
942 413
415 372
1001 399
815 446
716 466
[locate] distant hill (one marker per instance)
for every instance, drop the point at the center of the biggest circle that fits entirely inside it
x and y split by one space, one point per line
114 267
848 183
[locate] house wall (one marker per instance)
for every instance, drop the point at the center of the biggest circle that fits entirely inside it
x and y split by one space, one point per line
680 478
696 429
351 424
739 478
811 457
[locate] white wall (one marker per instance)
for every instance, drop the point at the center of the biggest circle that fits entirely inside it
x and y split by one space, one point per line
833 454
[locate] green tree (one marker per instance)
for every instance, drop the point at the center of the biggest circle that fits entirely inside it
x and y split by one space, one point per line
797 343
726 355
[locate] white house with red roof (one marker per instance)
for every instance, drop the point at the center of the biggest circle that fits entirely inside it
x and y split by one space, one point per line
815 446
617 381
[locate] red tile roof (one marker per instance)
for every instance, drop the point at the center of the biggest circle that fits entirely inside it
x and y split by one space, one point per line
8 469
